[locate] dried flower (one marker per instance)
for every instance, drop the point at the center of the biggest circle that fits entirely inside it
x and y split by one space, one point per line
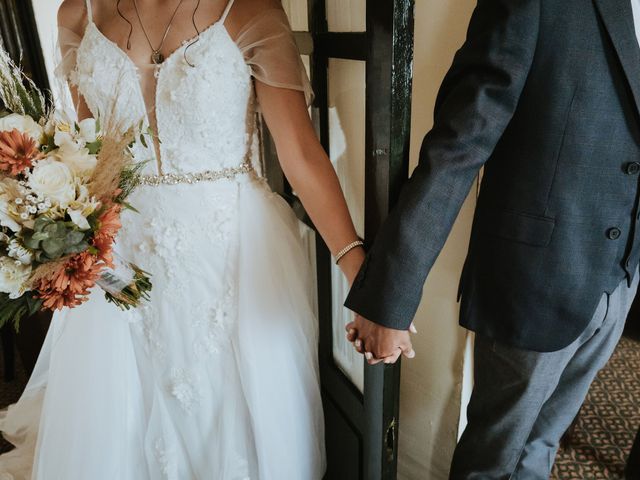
18 151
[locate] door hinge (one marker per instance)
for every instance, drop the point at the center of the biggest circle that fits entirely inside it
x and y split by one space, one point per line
381 152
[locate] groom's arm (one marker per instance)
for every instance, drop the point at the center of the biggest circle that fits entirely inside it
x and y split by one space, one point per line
474 106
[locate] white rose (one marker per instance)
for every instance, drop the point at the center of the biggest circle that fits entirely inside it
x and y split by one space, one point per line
13 277
53 180
78 159
22 123
88 130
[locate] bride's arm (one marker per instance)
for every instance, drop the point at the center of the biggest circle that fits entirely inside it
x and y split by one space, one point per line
309 170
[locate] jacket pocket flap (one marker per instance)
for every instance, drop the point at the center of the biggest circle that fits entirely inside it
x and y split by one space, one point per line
520 227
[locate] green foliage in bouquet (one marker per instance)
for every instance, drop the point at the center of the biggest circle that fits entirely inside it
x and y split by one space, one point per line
95 146
13 310
53 239
129 181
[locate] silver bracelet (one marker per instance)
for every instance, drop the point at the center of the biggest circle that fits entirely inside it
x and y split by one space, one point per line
347 249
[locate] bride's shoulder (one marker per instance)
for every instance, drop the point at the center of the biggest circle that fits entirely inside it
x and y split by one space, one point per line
72 15
243 12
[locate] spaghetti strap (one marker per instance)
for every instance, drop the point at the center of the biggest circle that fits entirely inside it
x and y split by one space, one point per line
89 11
224 14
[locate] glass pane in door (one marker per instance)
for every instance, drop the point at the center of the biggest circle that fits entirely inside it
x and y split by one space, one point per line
347 143
346 15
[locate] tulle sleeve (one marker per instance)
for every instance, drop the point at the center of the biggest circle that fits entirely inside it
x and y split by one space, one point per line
68 43
269 48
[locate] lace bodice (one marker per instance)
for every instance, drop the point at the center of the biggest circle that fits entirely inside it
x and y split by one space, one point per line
199 105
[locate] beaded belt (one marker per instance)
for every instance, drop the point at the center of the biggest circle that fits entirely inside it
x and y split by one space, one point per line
206 176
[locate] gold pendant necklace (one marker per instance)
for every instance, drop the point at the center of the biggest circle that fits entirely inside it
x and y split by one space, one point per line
157 57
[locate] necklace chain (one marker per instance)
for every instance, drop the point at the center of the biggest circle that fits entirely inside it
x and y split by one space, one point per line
156 56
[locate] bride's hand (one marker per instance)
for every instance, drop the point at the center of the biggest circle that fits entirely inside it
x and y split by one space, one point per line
351 263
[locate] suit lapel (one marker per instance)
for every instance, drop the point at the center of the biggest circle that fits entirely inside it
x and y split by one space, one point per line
617 16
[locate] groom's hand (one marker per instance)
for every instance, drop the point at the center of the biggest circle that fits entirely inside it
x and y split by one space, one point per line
378 343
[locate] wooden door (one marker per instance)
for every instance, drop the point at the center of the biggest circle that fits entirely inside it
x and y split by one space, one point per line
360 56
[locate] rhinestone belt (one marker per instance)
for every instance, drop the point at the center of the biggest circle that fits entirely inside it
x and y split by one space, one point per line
206 176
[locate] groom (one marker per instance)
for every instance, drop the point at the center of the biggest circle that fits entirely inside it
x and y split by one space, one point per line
545 94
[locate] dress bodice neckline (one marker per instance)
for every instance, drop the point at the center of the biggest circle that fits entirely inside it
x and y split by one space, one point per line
147 84
202 35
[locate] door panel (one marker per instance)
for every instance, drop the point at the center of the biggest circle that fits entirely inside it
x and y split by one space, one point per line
360 58
346 15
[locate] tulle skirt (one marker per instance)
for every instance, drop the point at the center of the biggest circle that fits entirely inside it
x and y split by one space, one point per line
215 378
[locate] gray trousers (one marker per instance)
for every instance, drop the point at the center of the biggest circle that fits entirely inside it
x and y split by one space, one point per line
524 401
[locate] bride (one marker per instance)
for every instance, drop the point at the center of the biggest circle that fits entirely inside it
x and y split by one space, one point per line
216 377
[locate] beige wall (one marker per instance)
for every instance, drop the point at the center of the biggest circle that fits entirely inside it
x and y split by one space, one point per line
432 383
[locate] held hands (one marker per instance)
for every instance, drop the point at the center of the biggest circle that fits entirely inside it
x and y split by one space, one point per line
378 343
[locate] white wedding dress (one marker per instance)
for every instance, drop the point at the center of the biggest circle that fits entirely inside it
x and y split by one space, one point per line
216 377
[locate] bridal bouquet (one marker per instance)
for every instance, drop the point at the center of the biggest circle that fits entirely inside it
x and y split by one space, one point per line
63 186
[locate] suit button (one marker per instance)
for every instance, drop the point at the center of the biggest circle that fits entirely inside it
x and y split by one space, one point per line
632 168
613 233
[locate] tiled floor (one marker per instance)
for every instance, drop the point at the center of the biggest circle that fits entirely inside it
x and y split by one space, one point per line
608 421
602 439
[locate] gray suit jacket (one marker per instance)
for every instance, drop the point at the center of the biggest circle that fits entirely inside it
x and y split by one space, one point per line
545 95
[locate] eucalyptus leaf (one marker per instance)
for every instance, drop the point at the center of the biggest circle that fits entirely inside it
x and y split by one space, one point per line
51 229
41 222
74 237
31 242
61 229
39 236
54 248
76 248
